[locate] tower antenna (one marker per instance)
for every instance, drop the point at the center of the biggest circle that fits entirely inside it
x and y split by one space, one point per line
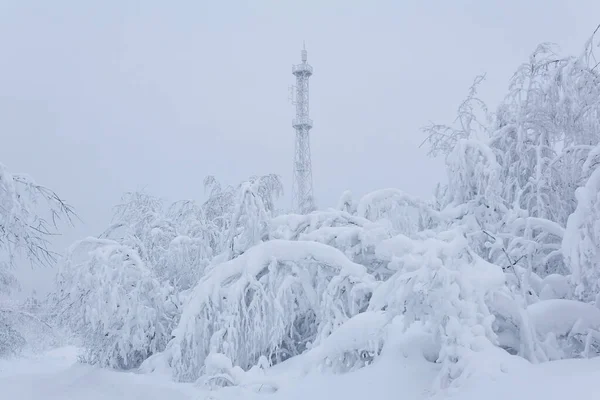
302 187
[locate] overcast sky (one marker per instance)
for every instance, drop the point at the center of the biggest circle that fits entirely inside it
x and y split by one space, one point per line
101 97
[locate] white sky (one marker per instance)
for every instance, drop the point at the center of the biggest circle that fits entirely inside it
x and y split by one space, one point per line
101 97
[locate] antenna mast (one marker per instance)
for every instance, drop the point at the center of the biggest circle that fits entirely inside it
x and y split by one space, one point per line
302 188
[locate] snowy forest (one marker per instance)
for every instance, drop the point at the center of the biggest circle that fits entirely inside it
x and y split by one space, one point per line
500 266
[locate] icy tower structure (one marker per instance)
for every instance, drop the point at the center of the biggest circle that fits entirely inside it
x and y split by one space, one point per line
302 188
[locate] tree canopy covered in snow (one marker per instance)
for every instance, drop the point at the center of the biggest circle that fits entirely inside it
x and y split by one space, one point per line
24 232
29 216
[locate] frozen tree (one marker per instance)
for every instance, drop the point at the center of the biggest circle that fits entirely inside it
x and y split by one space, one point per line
25 325
24 233
443 138
175 242
545 129
355 236
218 207
111 301
345 203
191 250
473 184
538 139
443 285
11 340
139 212
512 187
404 212
238 215
581 244
250 214
23 229
292 226
551 111
273 301
473 195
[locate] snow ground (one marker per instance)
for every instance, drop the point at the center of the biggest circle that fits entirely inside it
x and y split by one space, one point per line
57 375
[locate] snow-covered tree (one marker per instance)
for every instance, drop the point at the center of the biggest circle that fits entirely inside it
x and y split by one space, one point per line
250 214
24 232
512 186
355 236
581 244
402 211
175 242
111 301
29 216
25 325
444 286
345 203
537 142
273 301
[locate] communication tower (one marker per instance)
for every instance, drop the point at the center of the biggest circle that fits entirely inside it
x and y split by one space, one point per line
302 187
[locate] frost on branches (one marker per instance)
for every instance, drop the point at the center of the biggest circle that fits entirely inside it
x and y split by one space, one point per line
25 326
540 137
23 230
114 303
179 241
156 254
250 214
174 242
355 236
514 180
29 216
